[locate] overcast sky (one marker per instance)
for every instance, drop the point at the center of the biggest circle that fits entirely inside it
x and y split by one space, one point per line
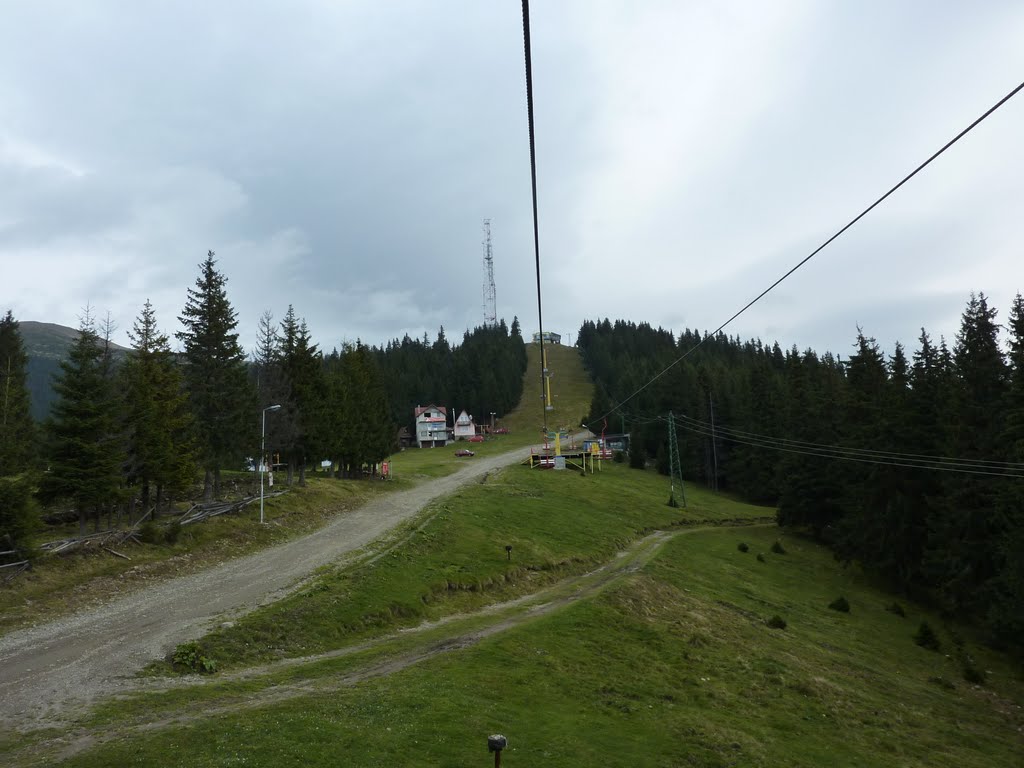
341 157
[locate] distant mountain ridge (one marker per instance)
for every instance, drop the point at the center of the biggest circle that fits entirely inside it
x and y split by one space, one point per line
46 344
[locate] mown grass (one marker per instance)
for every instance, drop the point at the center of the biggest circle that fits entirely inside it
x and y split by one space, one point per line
673 665
453 558
571 393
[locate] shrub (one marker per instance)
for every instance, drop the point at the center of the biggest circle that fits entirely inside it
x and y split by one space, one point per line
19 516
776 622
973 675
742 547
760 557
149 533
172 532
190 657
619 457
897 609
778 549
926 637
840 604
637 457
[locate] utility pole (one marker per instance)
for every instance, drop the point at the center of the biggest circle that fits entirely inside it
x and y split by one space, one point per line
674 465
714 448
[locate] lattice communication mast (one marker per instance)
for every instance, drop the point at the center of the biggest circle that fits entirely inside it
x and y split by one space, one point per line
490 296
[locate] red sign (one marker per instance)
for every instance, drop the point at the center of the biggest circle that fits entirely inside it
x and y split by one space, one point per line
383 469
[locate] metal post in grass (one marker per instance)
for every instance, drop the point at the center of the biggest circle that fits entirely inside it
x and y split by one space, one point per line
495 743
263 450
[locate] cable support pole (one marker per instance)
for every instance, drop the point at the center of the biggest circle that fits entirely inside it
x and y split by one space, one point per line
536 228
714 448
821 247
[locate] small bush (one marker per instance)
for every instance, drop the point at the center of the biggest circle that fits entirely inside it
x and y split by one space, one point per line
973 675
776 622
619 457
897 609
637 457
190 657
172 532
760 557
742 547
926 637
778 549
840 604
150 533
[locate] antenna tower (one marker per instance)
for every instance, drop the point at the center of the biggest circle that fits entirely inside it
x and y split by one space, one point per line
490 297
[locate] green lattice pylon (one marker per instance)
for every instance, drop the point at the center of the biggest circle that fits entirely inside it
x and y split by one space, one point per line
674 468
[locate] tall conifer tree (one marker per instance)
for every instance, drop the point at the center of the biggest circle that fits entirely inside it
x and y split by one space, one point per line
216 378
161 447
86 443
17 430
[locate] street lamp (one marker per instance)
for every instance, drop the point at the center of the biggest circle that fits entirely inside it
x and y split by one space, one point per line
263 452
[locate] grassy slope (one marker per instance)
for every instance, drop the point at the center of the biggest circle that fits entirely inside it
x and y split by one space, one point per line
60 585
453 558
671 665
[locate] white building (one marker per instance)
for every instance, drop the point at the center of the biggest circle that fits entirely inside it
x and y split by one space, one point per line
431 426
464 426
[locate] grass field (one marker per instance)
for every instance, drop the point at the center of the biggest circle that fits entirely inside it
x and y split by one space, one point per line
453 558
58 585
670 663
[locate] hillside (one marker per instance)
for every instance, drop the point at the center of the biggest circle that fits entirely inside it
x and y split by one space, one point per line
661 654
46 344
571 392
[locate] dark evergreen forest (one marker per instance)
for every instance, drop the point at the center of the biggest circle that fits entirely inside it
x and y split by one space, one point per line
132 433
910 464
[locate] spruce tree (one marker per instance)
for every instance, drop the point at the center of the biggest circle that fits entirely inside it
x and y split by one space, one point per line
273 388
964 552
17 430
86 449
161 447
302 366
1006 614
222 397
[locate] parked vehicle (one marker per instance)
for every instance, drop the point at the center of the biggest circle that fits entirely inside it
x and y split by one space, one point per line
475 438
464 452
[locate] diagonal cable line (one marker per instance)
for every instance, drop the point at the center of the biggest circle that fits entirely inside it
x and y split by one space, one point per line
821 247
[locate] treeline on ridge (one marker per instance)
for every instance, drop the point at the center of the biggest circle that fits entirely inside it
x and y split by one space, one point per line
129 433
912 466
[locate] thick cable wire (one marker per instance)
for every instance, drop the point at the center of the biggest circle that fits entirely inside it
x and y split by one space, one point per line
821 247
536 228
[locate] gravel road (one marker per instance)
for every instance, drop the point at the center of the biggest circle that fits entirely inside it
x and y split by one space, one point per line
47 669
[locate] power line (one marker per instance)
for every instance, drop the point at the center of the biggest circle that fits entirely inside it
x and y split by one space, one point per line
536 229
821 247
920 459
861 459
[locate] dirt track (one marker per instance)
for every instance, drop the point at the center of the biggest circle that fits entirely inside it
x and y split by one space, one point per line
46 670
